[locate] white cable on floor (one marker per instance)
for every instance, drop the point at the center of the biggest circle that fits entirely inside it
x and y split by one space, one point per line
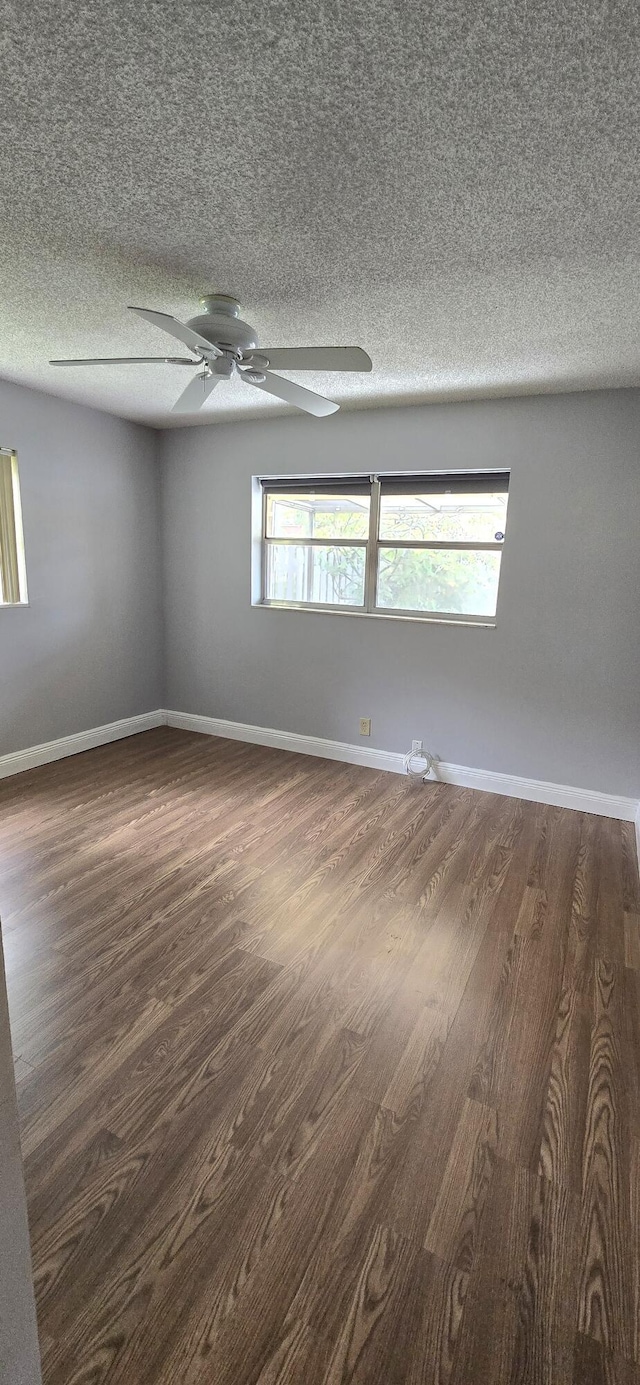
419 763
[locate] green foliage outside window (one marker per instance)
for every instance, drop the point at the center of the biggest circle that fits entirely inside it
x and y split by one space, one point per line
456 581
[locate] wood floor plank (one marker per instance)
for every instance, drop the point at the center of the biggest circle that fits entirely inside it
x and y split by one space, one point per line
364 1349
547 1308
606 1264
329 1282
490 1321
453 1230
235 1320
323 1077
630 1046
416 1186
21 1070
611 892
565 1105
634 1214
632 941
594 1366
294 1360
513 1069
630 871
434 1327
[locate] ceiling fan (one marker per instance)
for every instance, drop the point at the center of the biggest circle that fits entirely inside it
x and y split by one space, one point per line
223 345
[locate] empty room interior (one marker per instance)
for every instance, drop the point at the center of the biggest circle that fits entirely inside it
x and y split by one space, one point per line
320 704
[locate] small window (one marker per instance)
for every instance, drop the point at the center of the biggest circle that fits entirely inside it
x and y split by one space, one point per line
13 577
426 545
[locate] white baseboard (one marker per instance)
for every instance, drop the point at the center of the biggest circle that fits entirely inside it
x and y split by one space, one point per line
488 781
540 791
34 755
513 786
287 740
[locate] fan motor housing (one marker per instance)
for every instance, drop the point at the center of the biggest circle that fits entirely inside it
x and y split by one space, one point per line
221 324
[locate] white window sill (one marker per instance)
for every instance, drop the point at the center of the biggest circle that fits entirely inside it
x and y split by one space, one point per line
14 605
377 615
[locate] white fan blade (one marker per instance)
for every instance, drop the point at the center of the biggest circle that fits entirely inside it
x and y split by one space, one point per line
293 394
315 358
178 329
130 360
197 391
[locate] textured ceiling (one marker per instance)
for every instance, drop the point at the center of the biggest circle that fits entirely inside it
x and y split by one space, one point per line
451 185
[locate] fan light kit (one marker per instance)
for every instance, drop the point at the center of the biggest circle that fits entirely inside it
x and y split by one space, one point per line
223 346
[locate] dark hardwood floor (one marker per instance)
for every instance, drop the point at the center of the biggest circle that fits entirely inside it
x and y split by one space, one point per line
323 1077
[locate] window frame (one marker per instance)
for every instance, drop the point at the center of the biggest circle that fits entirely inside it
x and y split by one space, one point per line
372 544
17 558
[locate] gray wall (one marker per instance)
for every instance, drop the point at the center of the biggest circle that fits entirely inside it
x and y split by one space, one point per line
553 692
88 648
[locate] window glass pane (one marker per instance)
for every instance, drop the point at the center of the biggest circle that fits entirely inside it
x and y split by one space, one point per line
449 517
305 516
443 580
332 576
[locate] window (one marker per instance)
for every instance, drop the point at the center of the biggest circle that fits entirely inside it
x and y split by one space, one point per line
424 545
13 578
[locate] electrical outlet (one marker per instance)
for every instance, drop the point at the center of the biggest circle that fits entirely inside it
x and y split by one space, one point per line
416 746
365 726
